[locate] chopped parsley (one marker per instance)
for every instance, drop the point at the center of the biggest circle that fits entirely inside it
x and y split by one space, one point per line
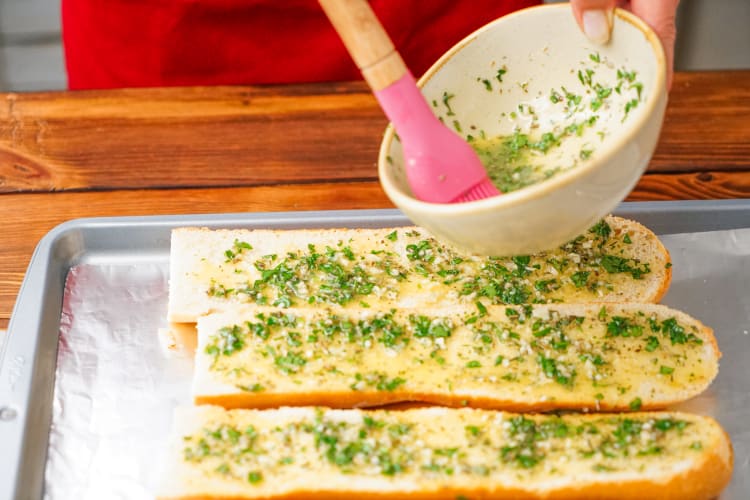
446 102
666 370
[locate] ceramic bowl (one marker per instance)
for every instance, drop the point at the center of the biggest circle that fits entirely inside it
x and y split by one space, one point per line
520 77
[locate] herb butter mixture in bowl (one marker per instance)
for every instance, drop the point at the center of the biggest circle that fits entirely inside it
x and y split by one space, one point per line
564 127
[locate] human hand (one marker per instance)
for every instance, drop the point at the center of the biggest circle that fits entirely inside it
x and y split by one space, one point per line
595 19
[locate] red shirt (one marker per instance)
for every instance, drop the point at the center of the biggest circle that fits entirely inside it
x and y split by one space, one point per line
136 43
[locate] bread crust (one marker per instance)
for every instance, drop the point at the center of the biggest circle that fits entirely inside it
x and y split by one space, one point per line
378 399
659 249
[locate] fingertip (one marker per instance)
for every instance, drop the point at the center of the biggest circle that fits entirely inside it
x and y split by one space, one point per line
597 25
580 6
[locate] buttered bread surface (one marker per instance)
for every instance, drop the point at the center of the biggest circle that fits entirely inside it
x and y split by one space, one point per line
301 320
615 261
442 453
542 357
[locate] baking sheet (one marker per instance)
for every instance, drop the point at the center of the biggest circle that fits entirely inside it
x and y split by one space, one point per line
114 388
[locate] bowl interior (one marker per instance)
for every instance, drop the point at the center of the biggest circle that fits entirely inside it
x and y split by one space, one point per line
532 94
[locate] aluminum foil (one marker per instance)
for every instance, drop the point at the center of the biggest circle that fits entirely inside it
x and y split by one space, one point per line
116 387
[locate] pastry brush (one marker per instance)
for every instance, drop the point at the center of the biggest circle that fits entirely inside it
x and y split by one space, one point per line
440 166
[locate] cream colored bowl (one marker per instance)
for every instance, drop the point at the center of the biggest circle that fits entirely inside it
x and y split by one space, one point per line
553 80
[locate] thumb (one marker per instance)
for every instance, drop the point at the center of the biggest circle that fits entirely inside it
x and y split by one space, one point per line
594 18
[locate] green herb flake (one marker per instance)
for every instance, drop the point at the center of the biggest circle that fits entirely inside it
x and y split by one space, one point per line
602 313
601 229
226 341
473 430
251 388
438 359
580 278
620 326
290 363
614 265
390 385
552 370
630 105
446 102
482 309
677 333
219 290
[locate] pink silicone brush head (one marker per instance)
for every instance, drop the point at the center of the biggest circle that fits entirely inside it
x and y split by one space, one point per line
440 166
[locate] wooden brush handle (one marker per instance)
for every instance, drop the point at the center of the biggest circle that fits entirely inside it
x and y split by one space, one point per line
366 41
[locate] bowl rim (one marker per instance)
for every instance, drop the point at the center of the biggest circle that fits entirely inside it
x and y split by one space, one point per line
541 189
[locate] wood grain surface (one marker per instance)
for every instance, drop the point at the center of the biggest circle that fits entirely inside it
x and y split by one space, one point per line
208 136
249 136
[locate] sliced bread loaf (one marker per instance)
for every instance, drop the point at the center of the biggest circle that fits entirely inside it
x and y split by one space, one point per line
442 453
522 358
210 270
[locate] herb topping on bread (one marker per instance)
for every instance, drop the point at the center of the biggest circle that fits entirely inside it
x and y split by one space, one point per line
615 261
443 453
525 358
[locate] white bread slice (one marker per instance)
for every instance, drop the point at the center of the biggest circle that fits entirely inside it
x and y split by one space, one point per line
613 357
617 261
442 453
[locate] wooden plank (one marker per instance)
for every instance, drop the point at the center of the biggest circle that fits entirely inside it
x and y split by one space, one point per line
28 217
249 136
226 136
706 125
692 186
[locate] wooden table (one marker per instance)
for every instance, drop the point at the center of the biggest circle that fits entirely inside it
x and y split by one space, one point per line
65 155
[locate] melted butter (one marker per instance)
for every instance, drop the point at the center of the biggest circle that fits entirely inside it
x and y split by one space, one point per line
533 357
407 267
561 129
280 451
